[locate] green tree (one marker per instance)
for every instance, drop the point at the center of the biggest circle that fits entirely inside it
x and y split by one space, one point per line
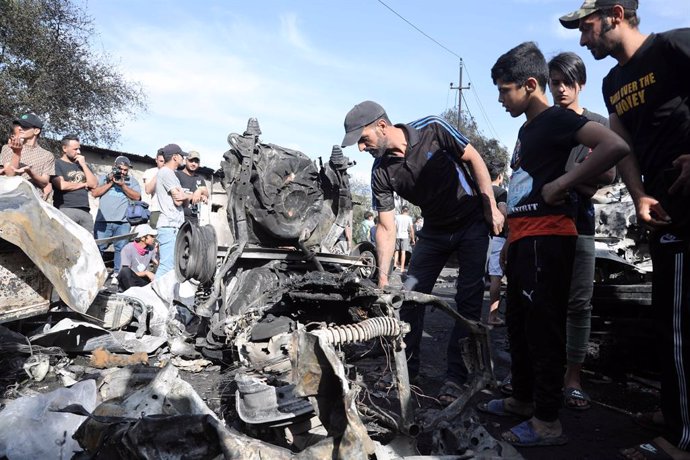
361 199
494 154
48 67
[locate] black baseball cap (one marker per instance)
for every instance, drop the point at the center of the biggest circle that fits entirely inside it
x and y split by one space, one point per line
169 150
572 20
361 115
29 120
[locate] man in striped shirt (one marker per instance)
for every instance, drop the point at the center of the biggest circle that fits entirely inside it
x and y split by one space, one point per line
430 164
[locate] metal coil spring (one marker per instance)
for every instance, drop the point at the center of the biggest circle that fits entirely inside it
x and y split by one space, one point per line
363 331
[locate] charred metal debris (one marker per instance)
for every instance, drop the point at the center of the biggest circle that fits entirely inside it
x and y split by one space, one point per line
289 316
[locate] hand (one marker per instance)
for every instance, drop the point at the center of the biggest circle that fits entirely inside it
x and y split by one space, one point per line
24 169
650 212
197 196
80 160
383 278
9 170
178 194
120 182
16 143
553 194
149 274
682 184
495 218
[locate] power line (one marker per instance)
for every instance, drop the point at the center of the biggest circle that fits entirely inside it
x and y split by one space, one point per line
481 108
420 30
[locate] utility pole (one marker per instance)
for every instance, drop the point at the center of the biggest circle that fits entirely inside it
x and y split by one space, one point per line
459 88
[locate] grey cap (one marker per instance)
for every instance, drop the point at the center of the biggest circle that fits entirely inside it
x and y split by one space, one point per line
572 20
123 160
361 115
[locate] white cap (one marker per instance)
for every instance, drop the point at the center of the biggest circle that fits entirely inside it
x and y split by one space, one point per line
145 229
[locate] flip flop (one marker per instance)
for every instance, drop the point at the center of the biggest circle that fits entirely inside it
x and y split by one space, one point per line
571 395
449 392
649 450
527 437
498 407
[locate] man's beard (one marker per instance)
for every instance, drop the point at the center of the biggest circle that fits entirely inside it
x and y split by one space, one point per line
376 153
380 150
603 50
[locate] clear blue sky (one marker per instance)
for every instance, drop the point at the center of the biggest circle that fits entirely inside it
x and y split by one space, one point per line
299 66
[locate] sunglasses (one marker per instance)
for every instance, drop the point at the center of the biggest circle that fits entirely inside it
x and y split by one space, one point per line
193 160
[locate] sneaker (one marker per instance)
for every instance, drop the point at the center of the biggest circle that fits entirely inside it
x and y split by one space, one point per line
113 281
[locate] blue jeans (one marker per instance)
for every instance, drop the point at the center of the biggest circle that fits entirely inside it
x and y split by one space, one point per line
109 229
430 255
166 246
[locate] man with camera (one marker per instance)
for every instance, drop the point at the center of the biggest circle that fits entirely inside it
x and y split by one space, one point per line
115 191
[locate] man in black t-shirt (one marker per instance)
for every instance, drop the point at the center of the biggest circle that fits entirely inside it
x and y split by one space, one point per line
71 183
648 99
193 182
430 164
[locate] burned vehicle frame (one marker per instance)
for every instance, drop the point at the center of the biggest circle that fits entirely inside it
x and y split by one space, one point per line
286 309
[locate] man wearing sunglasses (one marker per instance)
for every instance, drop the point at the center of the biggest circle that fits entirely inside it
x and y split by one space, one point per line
192 182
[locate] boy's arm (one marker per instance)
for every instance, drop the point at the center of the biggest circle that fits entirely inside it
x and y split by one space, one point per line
608 148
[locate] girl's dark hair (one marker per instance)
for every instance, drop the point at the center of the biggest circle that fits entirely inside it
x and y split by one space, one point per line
571 66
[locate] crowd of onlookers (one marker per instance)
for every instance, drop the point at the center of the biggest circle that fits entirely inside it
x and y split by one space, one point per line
562 154
172 191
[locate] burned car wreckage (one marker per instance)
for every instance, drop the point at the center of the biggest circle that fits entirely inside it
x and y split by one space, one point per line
289 314
294 314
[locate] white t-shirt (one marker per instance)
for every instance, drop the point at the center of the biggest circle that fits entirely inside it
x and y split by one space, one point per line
402 226
145 197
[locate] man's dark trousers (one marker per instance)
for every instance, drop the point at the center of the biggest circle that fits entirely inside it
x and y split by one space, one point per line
671 302
127 278
430 254
539 269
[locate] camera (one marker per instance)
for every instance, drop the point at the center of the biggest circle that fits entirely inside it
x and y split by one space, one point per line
116 173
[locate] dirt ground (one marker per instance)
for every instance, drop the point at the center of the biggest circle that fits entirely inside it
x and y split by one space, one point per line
597 433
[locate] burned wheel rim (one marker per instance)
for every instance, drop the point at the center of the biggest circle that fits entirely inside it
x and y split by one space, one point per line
367 257
196 250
